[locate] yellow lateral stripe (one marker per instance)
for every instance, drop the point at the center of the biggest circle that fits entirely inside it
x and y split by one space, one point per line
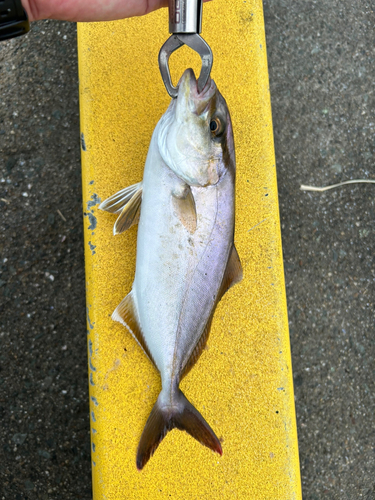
242 384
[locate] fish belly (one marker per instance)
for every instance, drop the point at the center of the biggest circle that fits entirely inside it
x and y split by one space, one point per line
178 274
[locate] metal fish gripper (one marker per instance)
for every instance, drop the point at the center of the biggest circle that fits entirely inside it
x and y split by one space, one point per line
185 24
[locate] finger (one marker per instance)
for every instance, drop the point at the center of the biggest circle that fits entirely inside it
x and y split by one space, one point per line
90 10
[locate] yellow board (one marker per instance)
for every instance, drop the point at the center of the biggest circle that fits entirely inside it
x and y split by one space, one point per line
242 384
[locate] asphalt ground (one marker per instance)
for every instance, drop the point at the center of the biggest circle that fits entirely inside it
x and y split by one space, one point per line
321 65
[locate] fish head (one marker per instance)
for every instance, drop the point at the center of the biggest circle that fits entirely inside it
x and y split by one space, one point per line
196 138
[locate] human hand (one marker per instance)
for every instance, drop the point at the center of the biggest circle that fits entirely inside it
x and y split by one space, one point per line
89 10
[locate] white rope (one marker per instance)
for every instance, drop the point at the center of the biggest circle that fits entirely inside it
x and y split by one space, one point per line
326 188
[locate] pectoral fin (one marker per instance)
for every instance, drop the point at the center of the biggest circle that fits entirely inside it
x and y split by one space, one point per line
127 203
184 206
126 314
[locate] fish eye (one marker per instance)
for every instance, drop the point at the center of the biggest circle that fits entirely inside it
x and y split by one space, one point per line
215 126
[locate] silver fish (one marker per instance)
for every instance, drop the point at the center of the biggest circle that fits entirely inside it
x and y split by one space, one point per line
186 258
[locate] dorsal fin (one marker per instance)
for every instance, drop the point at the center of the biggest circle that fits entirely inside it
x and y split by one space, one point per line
233 274
184 207
198 349
126 314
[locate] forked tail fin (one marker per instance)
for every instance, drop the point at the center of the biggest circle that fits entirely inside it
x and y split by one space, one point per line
181 415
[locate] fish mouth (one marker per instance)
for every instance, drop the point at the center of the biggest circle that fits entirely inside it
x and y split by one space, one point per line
188 90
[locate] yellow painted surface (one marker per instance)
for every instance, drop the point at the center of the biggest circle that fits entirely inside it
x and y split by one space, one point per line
242 384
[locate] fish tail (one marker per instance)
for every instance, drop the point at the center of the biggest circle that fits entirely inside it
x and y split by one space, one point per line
181 415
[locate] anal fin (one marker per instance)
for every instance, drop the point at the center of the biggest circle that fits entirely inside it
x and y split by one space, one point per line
126 314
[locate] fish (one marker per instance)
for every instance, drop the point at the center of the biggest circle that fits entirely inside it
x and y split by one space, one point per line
186 258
